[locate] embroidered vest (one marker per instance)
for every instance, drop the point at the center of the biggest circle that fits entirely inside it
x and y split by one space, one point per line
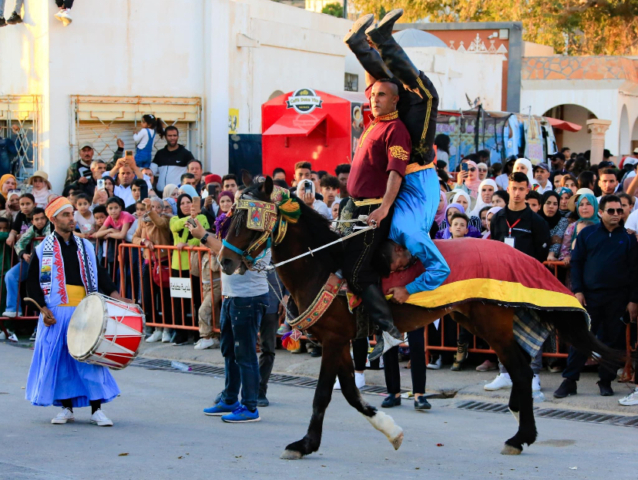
52 279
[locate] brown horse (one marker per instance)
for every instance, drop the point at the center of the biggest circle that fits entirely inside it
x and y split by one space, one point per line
305 277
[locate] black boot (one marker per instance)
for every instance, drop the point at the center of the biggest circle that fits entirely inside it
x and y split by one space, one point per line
393 55
3 22
14 19
368 57
379 311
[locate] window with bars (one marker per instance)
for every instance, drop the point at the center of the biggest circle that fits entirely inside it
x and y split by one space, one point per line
19 118
351 82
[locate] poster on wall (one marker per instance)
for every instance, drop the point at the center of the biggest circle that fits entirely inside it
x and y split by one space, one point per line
233 120
356 118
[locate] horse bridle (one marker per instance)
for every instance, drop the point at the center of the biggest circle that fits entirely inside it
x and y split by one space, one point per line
262 217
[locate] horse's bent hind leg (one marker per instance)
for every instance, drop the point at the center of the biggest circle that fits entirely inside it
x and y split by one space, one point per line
379 420
330 363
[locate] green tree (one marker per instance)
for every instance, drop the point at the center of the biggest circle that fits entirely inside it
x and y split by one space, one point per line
334 9
576 27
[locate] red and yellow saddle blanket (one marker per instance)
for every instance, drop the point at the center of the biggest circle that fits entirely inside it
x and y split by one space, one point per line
490 271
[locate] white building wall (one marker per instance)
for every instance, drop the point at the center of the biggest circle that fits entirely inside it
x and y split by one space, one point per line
538 96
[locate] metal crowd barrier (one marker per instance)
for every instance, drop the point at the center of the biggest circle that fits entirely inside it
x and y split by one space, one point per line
132 285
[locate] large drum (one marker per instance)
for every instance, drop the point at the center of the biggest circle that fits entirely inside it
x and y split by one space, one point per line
105 331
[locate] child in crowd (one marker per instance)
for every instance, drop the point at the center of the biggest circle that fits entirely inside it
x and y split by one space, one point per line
41 188
488 221
459 227
84 220
22 220
5 265
99 215
114 228
500 199
483 216
24 248
145 138
533 200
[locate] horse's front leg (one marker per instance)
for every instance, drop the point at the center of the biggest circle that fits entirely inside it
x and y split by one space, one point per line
379 420
330 363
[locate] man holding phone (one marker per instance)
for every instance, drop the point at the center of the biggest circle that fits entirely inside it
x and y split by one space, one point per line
306 191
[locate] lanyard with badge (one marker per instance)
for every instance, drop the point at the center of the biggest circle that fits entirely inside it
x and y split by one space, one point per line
510 240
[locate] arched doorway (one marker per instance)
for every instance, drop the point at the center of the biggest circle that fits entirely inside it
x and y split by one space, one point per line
624 146
577 141
634 136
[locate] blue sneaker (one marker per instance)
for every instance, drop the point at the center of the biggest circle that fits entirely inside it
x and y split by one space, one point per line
242 415
221 408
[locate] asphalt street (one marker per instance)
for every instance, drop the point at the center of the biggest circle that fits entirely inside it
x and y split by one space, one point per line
160 433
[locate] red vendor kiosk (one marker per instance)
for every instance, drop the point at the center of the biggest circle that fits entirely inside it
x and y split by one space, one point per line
314 126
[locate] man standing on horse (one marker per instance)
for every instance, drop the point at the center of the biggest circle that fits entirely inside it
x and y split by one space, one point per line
415 102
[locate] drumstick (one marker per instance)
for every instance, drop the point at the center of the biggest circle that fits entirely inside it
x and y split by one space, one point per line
37 305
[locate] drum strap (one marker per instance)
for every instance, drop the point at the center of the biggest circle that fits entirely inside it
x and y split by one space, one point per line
88 266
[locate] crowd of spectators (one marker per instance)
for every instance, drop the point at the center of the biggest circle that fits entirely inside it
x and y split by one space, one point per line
550 212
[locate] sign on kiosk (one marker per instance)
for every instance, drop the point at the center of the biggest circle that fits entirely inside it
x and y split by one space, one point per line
313 126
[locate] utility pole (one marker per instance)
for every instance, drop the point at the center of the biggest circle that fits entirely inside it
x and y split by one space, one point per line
345 8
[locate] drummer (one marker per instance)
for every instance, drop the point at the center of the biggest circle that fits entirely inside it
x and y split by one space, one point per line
63 270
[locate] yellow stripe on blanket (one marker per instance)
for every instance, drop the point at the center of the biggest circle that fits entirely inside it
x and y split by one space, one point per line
498 291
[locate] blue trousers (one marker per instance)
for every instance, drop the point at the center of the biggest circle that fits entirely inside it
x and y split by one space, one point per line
414 211
12 279
239 324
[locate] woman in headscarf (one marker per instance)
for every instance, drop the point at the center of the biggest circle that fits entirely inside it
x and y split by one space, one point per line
7 183
482 171
464 199
486 191
564 194
444 228
170 206
440 214
549 211
586 208
488 220
469 180
181 262
170 191
523 165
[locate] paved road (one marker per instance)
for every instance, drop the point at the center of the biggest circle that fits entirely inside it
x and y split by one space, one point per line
160 428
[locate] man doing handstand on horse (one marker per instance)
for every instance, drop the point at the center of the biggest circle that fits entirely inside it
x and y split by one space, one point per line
414 100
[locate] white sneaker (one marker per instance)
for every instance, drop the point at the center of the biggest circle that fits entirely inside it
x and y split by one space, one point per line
59 14
63 417
501 381
166 336
359 379
101 420
337 385
65 16
156 336
536 384
205 343
9 314
630 400
13 338
436 365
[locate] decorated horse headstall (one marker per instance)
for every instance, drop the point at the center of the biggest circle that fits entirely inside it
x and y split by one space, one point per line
271 218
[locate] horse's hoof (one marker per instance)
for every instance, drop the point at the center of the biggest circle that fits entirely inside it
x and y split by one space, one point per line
509 450
291 455
397 441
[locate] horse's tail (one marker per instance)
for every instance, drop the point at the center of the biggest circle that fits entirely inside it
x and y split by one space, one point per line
572 328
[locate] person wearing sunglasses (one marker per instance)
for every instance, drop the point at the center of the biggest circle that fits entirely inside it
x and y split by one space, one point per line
604 266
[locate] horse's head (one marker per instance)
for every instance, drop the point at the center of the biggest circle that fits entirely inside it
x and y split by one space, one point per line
253 218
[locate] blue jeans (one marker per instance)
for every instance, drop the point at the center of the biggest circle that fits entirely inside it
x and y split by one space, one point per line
240 320
12 279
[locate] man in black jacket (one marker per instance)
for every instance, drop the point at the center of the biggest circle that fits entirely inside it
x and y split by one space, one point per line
517 225
521 228
604 267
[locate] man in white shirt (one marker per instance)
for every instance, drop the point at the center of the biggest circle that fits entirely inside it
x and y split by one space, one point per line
126 173
541 175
